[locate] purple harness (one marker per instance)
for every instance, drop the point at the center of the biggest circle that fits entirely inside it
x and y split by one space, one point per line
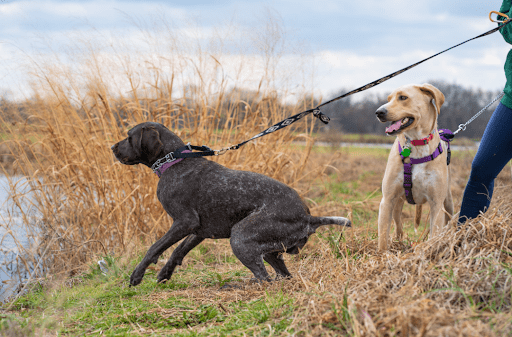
446 135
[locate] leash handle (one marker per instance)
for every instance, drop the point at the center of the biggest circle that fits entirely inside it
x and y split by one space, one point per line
498 14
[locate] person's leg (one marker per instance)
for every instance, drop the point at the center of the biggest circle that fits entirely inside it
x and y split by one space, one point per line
493 154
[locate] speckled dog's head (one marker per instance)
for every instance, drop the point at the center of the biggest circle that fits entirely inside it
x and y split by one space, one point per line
411 107
145 144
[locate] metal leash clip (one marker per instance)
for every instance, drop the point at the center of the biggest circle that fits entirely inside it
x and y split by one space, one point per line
221 151
225 149
462 127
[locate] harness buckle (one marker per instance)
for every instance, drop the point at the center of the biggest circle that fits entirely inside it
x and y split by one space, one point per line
170 156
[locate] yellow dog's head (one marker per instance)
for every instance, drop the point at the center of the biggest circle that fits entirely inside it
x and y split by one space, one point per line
412 109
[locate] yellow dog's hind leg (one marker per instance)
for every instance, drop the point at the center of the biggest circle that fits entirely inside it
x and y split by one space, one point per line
417 218
397 217
448 206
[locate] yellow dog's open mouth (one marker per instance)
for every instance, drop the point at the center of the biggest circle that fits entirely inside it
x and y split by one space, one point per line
399 125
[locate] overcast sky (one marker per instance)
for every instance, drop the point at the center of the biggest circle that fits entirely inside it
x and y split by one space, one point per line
354 42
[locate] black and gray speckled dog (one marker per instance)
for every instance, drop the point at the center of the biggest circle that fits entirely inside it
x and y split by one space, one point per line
262 216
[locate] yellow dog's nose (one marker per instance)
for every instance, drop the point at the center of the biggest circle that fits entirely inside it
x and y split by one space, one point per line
381 112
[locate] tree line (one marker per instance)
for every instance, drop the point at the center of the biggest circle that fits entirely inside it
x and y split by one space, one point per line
349 115
358 116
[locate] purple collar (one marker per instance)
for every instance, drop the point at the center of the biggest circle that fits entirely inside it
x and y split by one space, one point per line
159 171
445 136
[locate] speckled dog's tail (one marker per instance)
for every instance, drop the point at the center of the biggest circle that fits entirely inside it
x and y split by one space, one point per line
317 221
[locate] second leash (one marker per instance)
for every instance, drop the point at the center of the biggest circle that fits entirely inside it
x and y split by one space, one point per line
462 127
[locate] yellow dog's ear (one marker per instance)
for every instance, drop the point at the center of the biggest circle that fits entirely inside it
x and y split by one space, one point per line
435 93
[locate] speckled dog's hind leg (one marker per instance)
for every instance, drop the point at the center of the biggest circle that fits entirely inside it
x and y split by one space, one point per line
248 250
275 259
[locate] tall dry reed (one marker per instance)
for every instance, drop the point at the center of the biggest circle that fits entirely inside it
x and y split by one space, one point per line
88 203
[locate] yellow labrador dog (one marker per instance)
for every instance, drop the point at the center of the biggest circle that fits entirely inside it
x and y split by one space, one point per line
417 169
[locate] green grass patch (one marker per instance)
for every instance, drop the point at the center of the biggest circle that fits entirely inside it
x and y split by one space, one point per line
105 304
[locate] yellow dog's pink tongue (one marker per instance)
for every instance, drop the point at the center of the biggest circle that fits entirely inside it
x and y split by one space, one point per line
393 127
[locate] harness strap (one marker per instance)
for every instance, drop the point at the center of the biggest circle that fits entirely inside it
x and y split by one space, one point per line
408 169
446 136
408 182
434 155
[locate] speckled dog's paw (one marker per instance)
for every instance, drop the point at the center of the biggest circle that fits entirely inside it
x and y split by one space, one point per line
136 277
164 275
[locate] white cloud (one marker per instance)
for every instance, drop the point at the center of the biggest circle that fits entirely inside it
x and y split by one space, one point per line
353 42
351 70
11 8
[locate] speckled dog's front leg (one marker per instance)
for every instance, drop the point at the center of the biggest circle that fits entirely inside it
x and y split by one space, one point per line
177 256
178 231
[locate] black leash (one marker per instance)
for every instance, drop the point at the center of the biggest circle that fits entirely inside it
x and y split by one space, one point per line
206 151
396 73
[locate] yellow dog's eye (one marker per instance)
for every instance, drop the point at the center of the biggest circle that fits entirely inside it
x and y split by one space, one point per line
402 98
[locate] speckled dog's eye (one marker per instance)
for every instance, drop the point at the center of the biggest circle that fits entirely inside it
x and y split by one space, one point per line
402 98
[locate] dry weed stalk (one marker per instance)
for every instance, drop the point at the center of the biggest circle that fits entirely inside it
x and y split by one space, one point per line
456 284
92 204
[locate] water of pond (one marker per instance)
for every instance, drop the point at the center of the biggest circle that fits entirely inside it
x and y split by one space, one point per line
12 231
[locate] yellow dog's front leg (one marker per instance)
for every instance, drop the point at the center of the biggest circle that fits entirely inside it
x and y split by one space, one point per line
385 214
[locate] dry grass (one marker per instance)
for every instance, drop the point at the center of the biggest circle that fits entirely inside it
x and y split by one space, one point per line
86 201
458 284
88 204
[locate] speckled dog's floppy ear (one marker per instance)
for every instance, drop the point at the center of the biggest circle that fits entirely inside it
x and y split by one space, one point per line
150 144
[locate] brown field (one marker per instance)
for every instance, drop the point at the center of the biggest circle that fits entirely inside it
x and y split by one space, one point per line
459 284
